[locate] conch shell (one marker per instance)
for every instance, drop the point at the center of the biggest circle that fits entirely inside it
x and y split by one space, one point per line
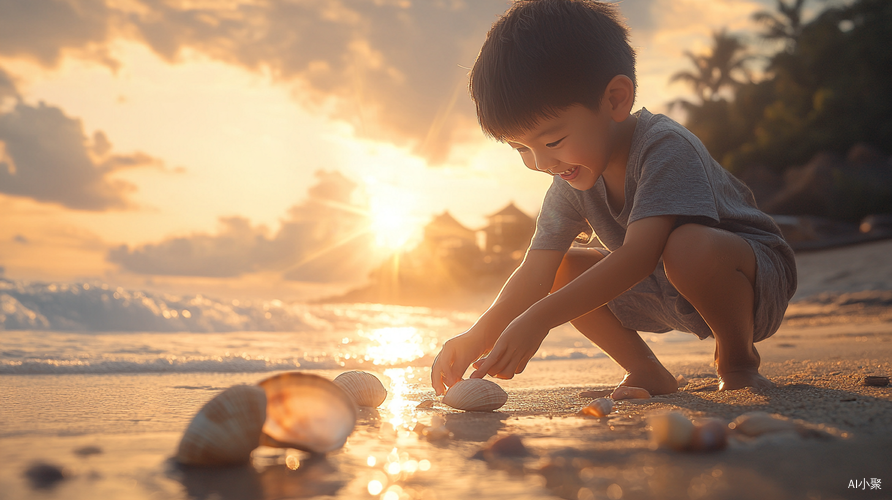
600 407
226 429
306 412
363 387
475 394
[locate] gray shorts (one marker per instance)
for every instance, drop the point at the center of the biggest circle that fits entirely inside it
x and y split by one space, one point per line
654 305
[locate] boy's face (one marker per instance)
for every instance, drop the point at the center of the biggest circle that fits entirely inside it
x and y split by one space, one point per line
576 145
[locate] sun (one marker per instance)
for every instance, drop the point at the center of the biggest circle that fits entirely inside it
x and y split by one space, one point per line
392 226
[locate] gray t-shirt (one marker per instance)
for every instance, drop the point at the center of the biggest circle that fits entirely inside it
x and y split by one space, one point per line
669 172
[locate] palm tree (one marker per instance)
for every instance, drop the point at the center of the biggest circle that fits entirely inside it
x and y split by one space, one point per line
715 70
784 25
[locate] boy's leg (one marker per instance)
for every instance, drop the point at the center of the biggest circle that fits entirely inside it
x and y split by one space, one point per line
715 270
623 345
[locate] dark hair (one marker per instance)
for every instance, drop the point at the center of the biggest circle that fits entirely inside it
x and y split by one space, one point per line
542 56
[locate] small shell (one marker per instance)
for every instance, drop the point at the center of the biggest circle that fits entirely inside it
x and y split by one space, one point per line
709 435
757 423
226 429
600 407
363 387
626 392
506 446
307 412
670 430
681 381
475 394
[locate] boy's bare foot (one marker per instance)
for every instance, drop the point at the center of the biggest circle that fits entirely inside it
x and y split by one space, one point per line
655 382
731 381
741 372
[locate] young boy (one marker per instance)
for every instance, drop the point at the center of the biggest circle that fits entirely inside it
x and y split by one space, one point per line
684 246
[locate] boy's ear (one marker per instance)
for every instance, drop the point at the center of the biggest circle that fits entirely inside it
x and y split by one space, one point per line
620 96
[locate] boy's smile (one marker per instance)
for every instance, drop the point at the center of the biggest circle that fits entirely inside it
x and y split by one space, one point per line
577 144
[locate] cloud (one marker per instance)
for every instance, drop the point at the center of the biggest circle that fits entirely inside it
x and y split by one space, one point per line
396 69
323 239
45 155
45 30
7 87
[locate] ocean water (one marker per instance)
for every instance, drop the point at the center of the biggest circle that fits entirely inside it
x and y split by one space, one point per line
102 382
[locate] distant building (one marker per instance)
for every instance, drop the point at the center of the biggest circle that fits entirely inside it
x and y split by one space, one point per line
509 232
448 236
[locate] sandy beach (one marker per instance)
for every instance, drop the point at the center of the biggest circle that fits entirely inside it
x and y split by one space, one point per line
113 436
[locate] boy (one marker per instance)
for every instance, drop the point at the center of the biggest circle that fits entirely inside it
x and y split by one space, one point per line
684 245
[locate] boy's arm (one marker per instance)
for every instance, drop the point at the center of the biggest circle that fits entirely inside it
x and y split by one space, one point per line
531 281
621 270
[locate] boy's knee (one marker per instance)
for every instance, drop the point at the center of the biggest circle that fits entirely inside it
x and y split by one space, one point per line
688 252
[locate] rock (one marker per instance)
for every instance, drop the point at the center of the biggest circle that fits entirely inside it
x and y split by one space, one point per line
44 475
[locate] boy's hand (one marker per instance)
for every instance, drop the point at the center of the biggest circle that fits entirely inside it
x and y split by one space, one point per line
514 349
457 354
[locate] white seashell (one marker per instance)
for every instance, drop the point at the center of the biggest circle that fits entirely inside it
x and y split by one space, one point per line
306 412
670 430
226 429
475 394
363 387
709 435
626 392
756 423
600 407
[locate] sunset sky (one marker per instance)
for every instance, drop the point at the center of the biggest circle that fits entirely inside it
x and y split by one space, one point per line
273 148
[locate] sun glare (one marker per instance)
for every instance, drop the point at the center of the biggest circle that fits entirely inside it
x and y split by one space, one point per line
392 226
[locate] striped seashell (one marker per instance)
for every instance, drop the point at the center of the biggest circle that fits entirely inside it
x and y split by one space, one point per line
226 429
306 412
600 407
363 387
475 394
670 430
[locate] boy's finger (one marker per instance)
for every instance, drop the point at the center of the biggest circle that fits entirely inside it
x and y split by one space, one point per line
499 368
481 370
439 372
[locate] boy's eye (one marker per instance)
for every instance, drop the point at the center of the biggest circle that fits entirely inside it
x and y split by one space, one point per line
555 143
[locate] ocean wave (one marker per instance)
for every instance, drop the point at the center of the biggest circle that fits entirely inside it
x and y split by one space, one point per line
231 364
86 307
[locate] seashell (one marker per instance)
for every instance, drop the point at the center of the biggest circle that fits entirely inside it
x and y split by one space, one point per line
670 430
626 392
475 394
226 429
681 381
509 445
306 412
757 423
363 387
709 435
600 407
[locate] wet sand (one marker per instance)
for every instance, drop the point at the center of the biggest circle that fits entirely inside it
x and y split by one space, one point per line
120 435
